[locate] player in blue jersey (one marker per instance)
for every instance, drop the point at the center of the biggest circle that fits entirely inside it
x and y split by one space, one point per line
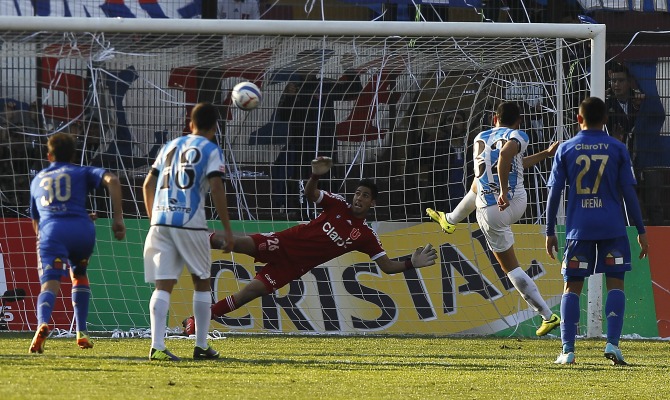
175 191
500 199
65 231
598 171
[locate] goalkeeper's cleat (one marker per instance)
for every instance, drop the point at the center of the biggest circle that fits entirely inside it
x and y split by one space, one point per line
84 341
204 354
613 354
37 345
548 325
162 355
441 218
189 326
565 358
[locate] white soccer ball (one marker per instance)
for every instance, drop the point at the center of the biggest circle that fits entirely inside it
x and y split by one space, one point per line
246 96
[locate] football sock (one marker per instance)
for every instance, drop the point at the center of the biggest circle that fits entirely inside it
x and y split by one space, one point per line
45 306
223 307
158 309
570 320
81 294
202 304
464 208
615 306
529 291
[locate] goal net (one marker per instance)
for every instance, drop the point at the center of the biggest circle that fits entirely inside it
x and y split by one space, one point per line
396 102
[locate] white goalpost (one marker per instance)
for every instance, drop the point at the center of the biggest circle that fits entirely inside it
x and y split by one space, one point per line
398 102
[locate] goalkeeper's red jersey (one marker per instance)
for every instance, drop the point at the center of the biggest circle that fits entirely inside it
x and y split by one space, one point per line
334 232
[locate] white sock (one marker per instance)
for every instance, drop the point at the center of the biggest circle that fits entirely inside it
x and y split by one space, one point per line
202 305
529 291
464 208
158 310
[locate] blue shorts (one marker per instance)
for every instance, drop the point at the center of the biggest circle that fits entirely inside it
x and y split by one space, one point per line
63 245
588 257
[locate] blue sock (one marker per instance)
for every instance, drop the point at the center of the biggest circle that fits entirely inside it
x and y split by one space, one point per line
569 320
81 293
615 307
45 306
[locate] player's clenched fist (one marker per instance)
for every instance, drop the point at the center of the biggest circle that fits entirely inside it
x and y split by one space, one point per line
424 256
321 165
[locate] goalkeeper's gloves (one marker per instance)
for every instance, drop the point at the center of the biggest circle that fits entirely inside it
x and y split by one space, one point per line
321 165
424 256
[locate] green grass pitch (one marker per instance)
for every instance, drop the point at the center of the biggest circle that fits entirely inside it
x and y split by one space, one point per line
327 367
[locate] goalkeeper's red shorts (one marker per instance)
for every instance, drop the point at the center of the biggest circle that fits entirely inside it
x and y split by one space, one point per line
279 270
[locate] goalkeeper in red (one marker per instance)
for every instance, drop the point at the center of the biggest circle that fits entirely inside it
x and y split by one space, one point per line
598 171
290 254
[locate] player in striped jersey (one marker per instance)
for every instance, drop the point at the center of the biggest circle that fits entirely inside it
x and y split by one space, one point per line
65 231
499 196
598 171
291 253
174 195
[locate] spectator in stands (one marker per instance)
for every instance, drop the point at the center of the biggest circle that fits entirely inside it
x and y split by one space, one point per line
238 9
629 121
623 105
441 158
309 105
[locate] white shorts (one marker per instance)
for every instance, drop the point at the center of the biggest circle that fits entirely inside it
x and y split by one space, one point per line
168 249
497 225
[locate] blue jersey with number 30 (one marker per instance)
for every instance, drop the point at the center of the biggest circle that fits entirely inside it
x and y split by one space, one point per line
61 190
184 167
596 166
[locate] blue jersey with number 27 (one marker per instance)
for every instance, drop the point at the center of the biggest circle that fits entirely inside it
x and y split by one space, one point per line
596 166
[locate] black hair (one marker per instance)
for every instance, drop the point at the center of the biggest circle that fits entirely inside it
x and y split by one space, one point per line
370 184
593 110
508 113
62 146
204 116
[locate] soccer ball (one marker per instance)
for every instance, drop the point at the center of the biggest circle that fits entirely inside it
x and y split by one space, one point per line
246 96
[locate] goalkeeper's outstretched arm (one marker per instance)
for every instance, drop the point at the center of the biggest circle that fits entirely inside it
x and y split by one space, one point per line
320 166
422 257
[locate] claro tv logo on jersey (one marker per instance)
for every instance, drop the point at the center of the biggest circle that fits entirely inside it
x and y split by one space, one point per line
335 237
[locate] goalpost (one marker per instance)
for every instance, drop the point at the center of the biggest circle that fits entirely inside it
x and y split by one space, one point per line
398 102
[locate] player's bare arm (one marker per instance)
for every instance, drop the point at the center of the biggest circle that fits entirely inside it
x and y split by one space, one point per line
320 166
644 245
221 204
113 185
533 159
509 150
551 246
149 191
422 257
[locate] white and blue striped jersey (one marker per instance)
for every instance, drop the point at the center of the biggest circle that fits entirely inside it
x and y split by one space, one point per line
487 146
183 168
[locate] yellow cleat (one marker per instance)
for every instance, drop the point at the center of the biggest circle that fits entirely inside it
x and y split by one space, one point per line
548 325
37 345
84 341
441 218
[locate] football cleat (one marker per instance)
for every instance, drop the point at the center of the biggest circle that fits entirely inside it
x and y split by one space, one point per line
162 355
613 354
84 341
565 358
441 218
548 325
37 345
189 326
204 354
